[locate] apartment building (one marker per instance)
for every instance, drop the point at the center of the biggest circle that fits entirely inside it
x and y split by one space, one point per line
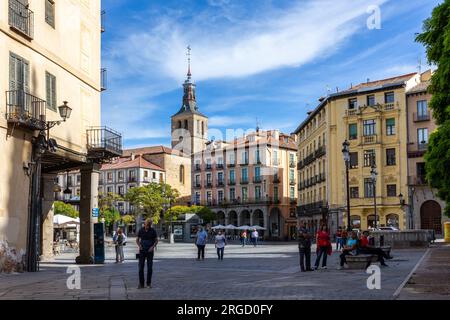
250 181
372 118
50 120
424 208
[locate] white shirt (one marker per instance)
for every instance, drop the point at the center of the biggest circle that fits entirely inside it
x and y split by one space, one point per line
255 234
220 241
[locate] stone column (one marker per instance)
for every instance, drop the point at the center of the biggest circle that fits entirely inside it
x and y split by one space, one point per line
48 181
88 201
251 218
266 223
226 218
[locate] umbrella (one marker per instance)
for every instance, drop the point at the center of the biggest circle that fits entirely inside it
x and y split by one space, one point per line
60 220
218 227
257 228
230 226
245 227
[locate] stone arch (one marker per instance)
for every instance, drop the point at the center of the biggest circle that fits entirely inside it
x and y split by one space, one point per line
258 218
179 124
220 217
233 218
245 217
431 216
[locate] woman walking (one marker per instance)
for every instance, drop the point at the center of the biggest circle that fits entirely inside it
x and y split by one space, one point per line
119 240
221 242
323 246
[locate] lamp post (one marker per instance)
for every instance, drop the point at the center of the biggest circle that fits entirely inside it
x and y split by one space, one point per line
346 154
404 204
373 177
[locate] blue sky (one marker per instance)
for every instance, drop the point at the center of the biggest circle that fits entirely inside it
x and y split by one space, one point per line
265 59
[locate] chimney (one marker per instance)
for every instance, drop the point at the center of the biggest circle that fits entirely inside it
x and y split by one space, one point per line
133 156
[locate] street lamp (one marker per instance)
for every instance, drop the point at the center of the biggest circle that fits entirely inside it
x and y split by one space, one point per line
373 177
346 154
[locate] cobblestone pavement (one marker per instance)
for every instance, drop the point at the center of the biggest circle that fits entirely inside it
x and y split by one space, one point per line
269 271
431 280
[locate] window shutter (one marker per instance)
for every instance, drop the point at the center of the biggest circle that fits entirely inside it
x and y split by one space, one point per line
47 88
26 76
53 92
12 72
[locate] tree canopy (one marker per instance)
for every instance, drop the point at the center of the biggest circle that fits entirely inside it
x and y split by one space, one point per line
436 39
203 212
65 209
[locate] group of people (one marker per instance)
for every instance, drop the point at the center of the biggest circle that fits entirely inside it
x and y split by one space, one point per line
352 245
254 235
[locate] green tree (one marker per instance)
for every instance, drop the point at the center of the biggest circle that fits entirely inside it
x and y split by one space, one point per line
110 215
107 205
204 213
65 209
436 39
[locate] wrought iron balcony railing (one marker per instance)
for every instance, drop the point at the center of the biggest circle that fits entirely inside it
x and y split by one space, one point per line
103 143
257 179
421 117
25 109
21 18
231 182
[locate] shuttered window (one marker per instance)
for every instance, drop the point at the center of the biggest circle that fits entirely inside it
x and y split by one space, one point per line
50 81
50 12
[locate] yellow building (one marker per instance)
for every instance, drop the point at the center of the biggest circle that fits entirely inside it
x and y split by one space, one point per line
372 118
52 49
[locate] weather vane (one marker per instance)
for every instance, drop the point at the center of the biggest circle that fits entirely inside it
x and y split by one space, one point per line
189 61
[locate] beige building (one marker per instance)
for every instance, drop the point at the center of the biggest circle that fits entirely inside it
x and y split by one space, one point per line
47 67
372 118
424 209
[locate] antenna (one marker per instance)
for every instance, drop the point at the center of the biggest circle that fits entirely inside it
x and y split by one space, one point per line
189 61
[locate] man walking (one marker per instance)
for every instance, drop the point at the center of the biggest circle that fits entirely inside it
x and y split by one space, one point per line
304 247
220 242
146 240
202 237
255 236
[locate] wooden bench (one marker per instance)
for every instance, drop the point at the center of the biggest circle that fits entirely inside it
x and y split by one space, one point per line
360 261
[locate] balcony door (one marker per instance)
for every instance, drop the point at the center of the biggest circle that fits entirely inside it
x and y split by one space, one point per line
19 79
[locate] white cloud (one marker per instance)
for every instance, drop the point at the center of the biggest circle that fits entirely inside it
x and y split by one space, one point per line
225 121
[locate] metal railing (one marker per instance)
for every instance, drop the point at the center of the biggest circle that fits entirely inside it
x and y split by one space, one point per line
257 179
104 139
102 20
21 18
419 180
103 79
244 180
321 151
25 109
421 117
312 206
231 182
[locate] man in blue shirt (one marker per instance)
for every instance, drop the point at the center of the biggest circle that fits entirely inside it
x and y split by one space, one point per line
146 240
349 249
200 241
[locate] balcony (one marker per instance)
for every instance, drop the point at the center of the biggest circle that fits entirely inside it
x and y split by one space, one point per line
276 179
219 166
220 183
197 167
245 163
20 18
370 139
244 181
102 20
389 106
292 182
198 185
292 164
309 159
103 143
208 184
292 200
300 165
320 152
208 167
131 179
103 79
314 207
257 179
421 117
416 150
231 165
351 112
420 180
25 110
231 182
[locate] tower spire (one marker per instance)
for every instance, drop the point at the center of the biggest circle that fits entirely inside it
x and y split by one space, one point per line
189 62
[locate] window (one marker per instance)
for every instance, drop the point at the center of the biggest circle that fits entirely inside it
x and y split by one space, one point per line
154 175
353 131
292 193
352 103
244 159
390 157
422 109
197 180
50 86
368 188
391 190
132 176
390 126
232 158
120 175
232 194
209 198
392 220
182 174
353 160
145 174
161 178
369 158
275 194
257 192
50 12
19 75
197 198
109 176
220 177
291 175
244 194
208 178
369 127
371 100
220 196
422 136
275 158
291 157
354 192
109 190
232 177
244 174
389 97
120 190
78 179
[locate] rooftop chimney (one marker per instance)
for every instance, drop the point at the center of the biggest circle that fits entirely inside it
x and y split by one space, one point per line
133 156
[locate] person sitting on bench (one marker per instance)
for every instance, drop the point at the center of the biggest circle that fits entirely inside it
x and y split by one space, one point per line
349 249
365 248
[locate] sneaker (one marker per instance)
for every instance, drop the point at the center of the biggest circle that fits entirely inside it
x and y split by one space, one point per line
149 286
315 268
140 286
324 268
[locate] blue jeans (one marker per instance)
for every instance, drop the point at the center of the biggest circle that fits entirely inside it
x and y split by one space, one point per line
322 252
220 253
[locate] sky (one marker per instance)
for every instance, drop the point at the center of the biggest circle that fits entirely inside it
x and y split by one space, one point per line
253 61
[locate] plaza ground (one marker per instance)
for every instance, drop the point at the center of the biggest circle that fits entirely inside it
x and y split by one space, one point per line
269 271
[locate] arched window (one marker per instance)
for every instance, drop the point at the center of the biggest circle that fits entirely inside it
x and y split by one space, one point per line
179 124
186 124
392 220
355 222
182 174
203 128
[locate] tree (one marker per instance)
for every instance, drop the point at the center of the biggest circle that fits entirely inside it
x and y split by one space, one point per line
436 39
128 219
110 215
151 199
205 213
108 209
65 209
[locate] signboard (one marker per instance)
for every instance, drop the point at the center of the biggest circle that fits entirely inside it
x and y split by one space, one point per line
95 212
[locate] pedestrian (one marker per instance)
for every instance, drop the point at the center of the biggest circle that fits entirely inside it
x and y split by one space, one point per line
338 238
255 236
304 247
220 242
200 242
349 249
146 240
119 239
323 247
366 248
344 238
243 237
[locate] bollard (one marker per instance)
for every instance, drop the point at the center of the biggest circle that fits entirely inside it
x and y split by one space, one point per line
447 231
